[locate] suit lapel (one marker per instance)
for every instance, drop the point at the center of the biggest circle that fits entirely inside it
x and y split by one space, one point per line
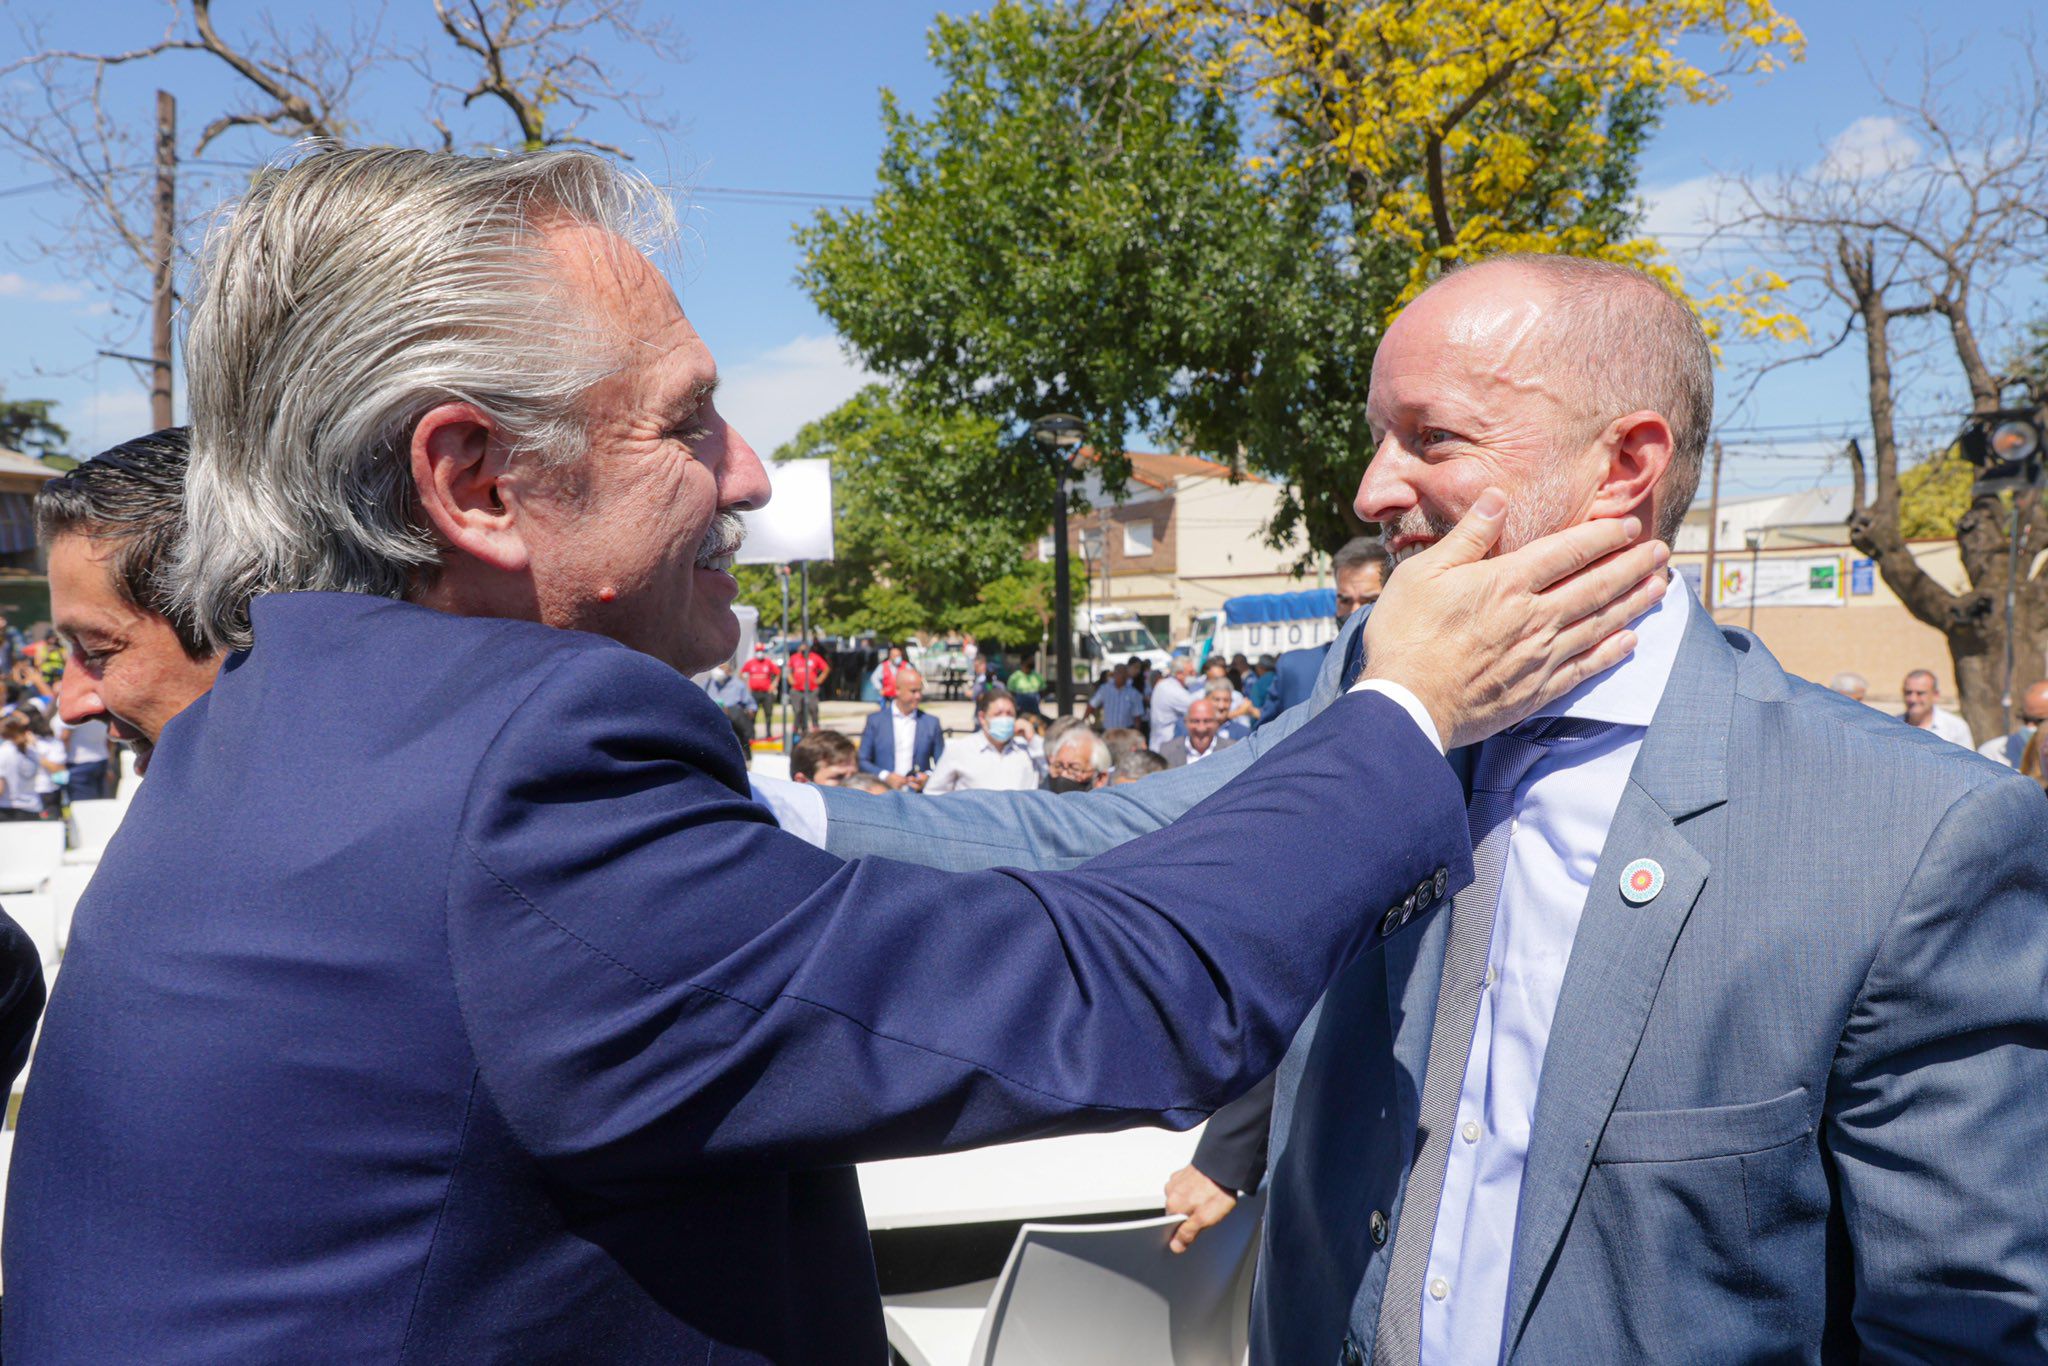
1619 954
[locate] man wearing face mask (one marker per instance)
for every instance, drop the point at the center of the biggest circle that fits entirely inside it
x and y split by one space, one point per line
1079 763
993 760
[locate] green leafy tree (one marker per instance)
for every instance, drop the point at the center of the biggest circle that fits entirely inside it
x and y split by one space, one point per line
1047 239
1014 611
927 509
26 426
1080 225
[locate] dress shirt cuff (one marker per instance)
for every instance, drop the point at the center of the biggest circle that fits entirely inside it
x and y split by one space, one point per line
797 807
1399 695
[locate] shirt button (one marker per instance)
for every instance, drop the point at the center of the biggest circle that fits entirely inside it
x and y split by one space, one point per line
1492 974
1470 1131
1439 1288
1378 1225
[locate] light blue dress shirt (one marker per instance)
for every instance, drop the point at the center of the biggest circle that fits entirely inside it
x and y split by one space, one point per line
1563 809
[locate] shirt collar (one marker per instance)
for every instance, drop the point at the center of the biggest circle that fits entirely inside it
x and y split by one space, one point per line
1628 693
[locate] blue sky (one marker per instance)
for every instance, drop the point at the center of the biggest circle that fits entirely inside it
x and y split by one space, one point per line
782 97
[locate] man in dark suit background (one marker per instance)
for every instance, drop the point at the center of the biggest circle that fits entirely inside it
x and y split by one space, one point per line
902 740
1360 570
495 1022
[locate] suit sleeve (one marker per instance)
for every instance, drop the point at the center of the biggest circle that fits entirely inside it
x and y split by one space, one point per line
1232 1150
865 758
656 979
1044 830
21 998
1051 830
1936 1118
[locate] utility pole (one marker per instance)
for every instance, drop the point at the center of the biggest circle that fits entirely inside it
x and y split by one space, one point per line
1711 584
163 245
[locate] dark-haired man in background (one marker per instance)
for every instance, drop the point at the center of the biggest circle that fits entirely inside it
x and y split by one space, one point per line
133 659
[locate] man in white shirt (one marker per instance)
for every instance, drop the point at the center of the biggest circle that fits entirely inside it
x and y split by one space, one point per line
993 759
1204 738
1923 709
1170 698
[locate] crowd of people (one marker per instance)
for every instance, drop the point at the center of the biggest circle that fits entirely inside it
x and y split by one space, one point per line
45 762
451 993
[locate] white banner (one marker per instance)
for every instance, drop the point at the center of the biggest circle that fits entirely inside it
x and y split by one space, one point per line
797 523
1803 581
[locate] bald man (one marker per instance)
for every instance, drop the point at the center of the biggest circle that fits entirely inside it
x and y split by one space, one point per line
2033 713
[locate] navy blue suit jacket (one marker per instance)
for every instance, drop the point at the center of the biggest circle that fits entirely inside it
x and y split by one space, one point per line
1294 678
878 743
443 997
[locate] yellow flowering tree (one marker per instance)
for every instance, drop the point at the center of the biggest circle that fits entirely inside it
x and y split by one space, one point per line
1445 120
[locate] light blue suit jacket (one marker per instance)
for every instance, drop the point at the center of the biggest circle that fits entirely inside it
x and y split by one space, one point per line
1794 1108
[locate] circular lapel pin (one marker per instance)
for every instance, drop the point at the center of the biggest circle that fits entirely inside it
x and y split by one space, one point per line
1641 881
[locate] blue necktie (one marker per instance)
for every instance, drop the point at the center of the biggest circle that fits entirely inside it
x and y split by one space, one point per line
1503 762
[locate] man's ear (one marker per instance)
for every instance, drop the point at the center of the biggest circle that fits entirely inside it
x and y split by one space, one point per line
1639 451
458 466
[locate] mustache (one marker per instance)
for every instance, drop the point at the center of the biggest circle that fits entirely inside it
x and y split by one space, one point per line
724 536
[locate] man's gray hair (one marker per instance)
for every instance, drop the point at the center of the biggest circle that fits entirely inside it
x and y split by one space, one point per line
1098 751
343 297
1631 344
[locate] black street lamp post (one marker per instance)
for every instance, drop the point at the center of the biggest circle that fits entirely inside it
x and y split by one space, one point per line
1061 435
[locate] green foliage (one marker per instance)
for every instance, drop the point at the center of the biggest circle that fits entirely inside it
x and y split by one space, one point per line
927 509
1934 495
1075 228
1014 611
1049 238
26 426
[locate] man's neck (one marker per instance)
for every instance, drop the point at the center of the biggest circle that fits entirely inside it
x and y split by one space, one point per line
902 710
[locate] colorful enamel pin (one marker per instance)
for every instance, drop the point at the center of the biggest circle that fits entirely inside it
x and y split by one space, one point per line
1641 881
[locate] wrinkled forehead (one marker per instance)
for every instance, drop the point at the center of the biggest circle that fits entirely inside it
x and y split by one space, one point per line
1486 334
627 297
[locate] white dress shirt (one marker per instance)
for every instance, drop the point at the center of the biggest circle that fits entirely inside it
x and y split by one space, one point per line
977 765
1563 809
1170 699
906 737
1951 728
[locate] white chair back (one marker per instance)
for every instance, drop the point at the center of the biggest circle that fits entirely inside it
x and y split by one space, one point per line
95 823
1113 1295
37 916
67 885
29 852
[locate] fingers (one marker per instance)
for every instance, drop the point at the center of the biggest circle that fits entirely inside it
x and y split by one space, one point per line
1588 632
1609 581
1541 563
1474 535
1599 659
1205 1216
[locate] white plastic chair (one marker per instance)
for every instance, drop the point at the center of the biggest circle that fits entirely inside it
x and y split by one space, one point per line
29 852
1095 1295
67 885
95 823
37 916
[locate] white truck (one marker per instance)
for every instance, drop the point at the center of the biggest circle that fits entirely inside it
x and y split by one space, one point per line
1105 637
1265 624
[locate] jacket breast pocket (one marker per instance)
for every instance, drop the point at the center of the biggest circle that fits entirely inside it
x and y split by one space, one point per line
1709 1131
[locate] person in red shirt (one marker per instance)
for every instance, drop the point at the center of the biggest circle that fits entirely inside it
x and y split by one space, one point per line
761 673
807 672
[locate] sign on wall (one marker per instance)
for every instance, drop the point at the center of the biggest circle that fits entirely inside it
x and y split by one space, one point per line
1804 581
1862 578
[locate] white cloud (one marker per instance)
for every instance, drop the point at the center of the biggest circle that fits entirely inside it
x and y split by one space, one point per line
1685 207
114 414
1871 146
770 395
13 286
